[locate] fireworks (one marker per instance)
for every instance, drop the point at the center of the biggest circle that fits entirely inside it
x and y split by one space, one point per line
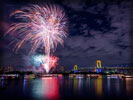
43 60
43 26
50 62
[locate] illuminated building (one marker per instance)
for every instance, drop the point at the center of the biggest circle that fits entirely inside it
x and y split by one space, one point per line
1 69
66 69
9 69
60 69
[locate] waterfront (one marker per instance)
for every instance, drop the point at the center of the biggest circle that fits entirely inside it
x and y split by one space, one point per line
64 87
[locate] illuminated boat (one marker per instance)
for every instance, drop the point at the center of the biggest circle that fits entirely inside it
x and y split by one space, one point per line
128 76
112 76
31 76
77 75
94 75
9 76
49 75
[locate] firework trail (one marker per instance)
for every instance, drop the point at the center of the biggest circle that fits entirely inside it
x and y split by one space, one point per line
42 25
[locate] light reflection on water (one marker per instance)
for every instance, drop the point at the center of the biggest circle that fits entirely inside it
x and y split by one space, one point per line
108 84
129 86
52 88
46 88
98 86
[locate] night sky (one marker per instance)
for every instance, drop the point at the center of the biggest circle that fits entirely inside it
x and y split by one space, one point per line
98 30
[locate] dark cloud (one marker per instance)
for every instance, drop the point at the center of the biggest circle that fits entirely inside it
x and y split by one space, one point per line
101 31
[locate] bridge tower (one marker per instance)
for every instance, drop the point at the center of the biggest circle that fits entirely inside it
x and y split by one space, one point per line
99 66
75 68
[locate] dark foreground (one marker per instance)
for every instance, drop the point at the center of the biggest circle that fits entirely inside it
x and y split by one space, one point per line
52 88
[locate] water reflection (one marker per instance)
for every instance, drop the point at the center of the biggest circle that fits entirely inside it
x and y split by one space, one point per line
52 88
2 83
75 84
24 85
79 83
98 86
47 88
129 86
108 85
117 85
89 86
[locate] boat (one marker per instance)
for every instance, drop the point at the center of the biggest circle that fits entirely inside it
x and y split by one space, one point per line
128 76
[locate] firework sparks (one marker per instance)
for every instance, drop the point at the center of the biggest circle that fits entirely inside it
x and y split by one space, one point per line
52 61
43 26
43 60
